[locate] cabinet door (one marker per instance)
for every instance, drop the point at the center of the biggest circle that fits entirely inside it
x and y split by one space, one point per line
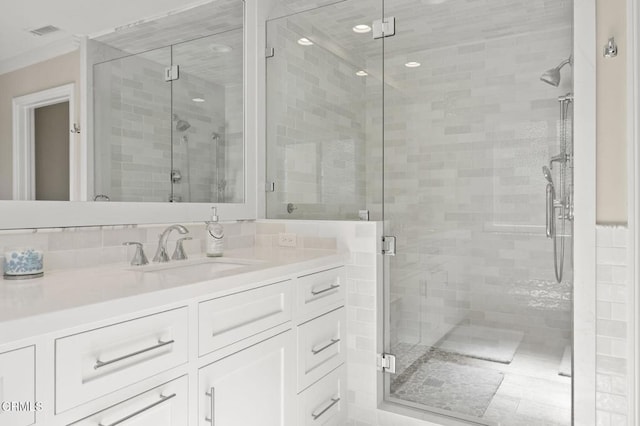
165 405
253 387
17 387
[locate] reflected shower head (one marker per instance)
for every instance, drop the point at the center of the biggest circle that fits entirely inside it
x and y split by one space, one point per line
547 174
552 76
181 125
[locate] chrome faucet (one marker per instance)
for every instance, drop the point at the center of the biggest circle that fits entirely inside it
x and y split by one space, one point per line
161 254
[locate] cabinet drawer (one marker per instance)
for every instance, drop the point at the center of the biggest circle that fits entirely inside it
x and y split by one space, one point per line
17 384
100 361
232 318
165 405
325 402
320 291
321 346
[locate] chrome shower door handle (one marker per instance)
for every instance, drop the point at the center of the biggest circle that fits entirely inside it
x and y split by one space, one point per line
551 195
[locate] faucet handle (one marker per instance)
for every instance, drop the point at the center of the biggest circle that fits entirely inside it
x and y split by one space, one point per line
139 257
179 253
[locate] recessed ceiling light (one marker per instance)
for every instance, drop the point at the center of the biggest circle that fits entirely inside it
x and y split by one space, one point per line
412 64
362 73
305 42
199 100
361 29
220 48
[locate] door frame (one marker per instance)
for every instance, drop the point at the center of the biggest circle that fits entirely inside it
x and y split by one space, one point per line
23 113
633 185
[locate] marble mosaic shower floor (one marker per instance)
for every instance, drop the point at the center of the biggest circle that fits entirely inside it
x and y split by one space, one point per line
530 393
442 379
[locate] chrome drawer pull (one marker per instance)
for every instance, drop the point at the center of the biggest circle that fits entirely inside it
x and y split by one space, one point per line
334 401
142 410
327 346
100 364
331 287
212 394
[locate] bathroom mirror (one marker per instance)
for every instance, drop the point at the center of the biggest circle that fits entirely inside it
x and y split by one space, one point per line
156 114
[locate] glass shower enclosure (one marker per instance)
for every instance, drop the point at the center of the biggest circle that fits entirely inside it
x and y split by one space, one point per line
437 117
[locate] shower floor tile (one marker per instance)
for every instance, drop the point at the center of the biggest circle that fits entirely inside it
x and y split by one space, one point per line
532 392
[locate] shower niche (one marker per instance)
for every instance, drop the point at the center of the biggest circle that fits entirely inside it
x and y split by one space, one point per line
168 108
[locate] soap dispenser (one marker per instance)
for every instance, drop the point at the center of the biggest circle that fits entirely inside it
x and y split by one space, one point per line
215 235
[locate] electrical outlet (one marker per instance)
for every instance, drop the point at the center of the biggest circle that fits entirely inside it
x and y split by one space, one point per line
287 240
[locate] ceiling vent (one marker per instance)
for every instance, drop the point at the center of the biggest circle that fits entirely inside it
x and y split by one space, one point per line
48 29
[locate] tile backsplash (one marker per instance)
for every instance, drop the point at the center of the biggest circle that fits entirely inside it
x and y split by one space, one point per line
66 248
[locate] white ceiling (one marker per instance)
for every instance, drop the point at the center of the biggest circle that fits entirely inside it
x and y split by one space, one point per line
74 18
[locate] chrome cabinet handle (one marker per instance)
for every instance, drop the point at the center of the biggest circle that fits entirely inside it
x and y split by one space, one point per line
100 364
140 411
212 394
334 401
331 287
327 346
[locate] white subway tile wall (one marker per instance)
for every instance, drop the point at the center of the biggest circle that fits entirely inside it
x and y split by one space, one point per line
614 307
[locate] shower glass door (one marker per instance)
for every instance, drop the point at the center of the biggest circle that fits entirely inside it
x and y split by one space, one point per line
324 111
478 323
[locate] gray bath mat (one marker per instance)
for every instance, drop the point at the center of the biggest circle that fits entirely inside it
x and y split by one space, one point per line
442 380
492 344
565 364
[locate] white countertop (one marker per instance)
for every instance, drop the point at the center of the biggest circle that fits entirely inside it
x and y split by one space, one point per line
68 298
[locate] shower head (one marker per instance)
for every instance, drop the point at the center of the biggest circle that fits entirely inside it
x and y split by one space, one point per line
547 174
181 125
552 76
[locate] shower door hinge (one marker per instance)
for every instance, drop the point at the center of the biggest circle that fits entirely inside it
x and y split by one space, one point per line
269 52
386 363
270 187
172 73
389 245
384 27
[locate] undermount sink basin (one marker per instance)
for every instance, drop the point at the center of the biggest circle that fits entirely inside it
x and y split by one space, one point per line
197 268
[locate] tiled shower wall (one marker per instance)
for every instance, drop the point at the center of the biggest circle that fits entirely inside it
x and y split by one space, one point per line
467 134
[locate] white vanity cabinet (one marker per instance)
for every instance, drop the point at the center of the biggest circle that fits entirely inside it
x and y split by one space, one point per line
17 386
261 354
253 387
